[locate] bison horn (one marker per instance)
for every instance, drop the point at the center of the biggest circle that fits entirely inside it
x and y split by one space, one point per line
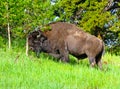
37 29
40 33
38 36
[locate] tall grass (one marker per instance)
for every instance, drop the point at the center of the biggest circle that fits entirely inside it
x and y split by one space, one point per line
18 71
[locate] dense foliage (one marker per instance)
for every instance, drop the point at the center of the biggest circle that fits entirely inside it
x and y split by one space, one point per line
99 17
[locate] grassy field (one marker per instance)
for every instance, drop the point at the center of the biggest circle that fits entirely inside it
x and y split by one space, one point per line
18 71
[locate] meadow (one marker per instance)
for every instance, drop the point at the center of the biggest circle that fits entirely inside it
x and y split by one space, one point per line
18 71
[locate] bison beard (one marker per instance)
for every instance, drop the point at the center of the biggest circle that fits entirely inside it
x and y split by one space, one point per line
64 39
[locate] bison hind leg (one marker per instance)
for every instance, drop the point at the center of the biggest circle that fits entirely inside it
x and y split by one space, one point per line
100 64
92 61
98 61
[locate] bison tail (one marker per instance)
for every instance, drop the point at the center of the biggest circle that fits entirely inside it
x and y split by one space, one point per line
100 54
103 49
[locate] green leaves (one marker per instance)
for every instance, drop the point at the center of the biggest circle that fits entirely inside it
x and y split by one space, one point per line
24 15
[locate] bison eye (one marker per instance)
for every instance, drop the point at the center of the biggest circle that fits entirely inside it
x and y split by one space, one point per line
31 48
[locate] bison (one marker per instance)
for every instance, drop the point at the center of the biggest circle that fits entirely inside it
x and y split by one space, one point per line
64 39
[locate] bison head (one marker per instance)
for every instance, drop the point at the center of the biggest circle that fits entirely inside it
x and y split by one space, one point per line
35 40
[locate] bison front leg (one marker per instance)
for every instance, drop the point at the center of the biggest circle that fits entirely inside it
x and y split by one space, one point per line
64 56
38 53
64 59
55 55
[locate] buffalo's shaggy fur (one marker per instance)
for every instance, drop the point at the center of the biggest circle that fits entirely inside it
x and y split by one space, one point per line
64 39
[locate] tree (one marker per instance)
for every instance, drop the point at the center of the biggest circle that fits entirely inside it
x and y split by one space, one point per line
2 23
22 16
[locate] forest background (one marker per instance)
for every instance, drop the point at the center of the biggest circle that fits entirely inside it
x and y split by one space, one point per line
98 17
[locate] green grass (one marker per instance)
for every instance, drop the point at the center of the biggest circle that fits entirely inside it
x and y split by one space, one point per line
45 73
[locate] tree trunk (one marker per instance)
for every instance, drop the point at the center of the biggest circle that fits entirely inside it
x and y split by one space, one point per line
9 39
26 46
8 28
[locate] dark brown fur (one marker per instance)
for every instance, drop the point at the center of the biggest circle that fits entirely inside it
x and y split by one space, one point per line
65 38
